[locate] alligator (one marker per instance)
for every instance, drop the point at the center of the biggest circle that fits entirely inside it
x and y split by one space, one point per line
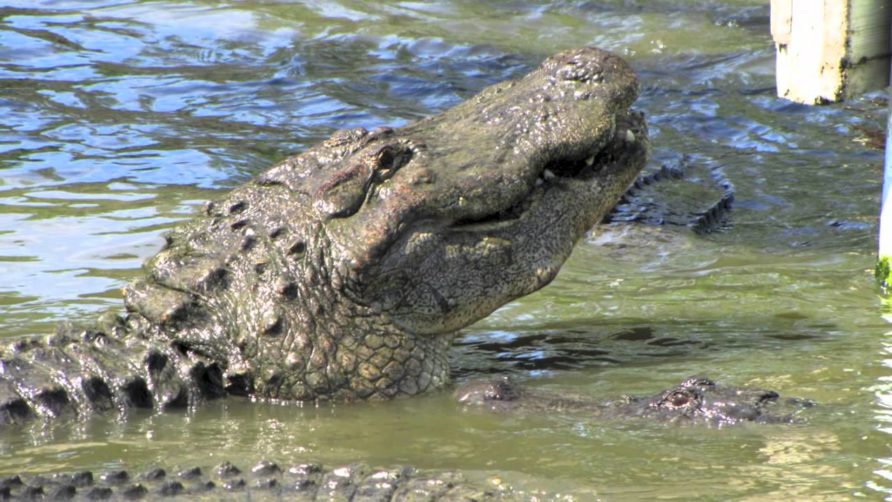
265 480
679 192
343 273
695 400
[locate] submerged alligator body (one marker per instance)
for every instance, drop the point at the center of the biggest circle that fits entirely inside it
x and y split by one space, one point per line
696 400
266 480
680 193
343 272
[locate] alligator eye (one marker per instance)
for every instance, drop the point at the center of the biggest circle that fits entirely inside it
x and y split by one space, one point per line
501 390
389 159
343 192
677 399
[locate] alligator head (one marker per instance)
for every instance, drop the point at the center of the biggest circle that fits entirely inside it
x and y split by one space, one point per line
343 271
699 399
436 225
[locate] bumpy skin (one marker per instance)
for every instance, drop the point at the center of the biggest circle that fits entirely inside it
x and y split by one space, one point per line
342 272
264 481
696 400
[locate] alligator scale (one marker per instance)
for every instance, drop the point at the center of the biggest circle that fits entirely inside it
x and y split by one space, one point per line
343 272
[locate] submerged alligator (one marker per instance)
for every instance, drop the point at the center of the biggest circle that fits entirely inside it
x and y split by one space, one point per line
677 193
266 480
344 272
696 400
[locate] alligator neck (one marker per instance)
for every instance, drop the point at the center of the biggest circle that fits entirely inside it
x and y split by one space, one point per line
309 342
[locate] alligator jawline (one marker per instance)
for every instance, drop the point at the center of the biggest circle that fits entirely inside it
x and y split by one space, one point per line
553 174
579 168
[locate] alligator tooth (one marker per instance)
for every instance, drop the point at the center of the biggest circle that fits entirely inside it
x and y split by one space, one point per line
589 161
548 175
539 181
630 136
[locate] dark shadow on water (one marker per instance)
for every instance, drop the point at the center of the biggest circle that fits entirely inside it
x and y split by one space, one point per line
540 352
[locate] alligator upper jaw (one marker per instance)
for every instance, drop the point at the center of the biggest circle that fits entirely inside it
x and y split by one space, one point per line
576 176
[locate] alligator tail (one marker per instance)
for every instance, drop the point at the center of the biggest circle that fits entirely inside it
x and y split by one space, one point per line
265 481
680 192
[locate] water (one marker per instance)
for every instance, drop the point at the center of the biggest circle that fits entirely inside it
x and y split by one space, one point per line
118 118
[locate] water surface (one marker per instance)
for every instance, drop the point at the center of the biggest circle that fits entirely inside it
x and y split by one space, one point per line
118 118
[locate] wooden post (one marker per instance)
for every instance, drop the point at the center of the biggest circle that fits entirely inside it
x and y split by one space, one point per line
883 271
829 50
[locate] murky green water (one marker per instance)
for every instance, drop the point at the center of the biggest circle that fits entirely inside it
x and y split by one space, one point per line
117 118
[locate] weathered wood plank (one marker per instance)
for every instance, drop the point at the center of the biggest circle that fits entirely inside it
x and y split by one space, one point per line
883 271
829 50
